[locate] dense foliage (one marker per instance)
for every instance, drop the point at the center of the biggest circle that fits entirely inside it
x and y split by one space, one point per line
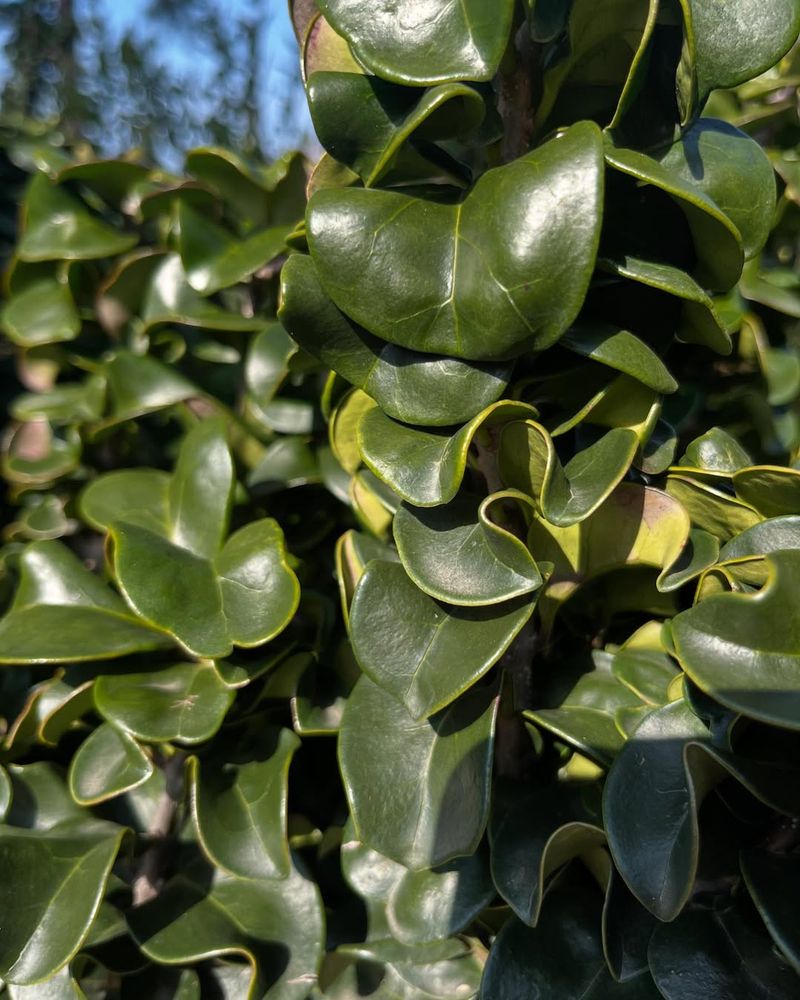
400 589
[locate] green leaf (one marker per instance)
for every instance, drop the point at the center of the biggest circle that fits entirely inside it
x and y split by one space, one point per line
409 386
700 322
426 467
60 873
66 403
137 496
772 490
592 62
718 954
421 651
444 278
562 958
44 313
258 196
700 552
432 905
239 806
762 539
57 226
418 791
717 240
414 43
715 453
593 732
276 925
622 350
245 596
566 494
712 510
201 490
141 384
744 649
636 525
268 360
725 47
667 768
456 553
213 258
773 881
185 702
372 126
108 763
62 612
534 833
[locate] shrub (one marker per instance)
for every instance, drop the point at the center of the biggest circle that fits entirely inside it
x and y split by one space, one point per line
439 639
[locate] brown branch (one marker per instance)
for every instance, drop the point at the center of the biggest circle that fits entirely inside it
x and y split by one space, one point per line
149 875
515 98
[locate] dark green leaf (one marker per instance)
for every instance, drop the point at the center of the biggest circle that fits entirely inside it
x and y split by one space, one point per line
409 386
418 791
443 278
423 43
422 652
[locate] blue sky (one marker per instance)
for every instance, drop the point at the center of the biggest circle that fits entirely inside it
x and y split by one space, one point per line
278 66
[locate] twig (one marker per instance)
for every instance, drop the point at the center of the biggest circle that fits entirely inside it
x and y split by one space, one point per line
150 870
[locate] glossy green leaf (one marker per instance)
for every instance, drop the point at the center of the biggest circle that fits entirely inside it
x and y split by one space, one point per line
418 791
60 873
565 494
636 525
137 496
714 511
534 833
63 612
700 322
245 596
44 313
724 47
443 278
717 239
239 806
371 125
773 881
715 452
268 362
716 955
186 702
421 651
58 227
593 732
140 384
426 467
201 490
744 649
762 539
424 43
624 351
561 959
456 553
277 926
772 490
594 59
433 905
407 385
699 553
108 763
213 258
250 189
668 767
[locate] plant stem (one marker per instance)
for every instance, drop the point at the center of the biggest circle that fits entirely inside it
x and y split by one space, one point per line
150 870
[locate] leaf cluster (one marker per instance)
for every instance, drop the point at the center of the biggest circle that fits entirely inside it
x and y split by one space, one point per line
400 561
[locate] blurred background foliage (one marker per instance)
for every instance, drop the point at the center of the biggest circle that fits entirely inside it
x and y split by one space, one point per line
158 75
